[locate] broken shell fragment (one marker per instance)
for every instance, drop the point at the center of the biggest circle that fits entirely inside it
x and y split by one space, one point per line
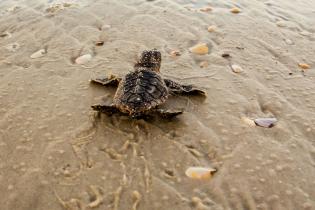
200 172
265 122
83 59
200 49
38 54
304 66
236 68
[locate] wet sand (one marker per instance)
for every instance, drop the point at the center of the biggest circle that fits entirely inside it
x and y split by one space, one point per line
55 153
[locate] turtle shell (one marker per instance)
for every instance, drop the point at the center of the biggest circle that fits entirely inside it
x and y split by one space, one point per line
140 91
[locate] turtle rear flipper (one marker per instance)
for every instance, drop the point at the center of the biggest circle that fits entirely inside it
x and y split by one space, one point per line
107 109
177 88
111 80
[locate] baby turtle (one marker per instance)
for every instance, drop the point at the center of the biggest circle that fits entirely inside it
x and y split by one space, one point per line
140 92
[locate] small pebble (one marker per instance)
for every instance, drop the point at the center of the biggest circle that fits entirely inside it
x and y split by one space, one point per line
83 59
200 49
235 10
236 68
211 28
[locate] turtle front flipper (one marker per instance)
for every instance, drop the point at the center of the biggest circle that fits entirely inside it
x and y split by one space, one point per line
168 114
177 88
107 109
111 80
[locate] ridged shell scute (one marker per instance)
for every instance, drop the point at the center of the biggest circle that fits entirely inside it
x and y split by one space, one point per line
140 91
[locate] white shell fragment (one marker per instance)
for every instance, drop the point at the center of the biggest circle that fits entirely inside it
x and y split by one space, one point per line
83 59
265 122
200 172
236 68
38 54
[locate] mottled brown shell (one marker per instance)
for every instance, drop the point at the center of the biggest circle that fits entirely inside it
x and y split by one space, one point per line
140 91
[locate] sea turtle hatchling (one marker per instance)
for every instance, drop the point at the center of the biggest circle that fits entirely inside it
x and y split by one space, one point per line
140 92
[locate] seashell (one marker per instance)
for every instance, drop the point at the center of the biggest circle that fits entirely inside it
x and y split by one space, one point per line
38 54
265 122
211 28
236 68
304 66
200 49
206 9
235 10
83 59
200 172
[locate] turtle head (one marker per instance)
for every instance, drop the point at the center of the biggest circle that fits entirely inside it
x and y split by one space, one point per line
150 59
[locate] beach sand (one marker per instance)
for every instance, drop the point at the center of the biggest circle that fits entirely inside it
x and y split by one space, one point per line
56 153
